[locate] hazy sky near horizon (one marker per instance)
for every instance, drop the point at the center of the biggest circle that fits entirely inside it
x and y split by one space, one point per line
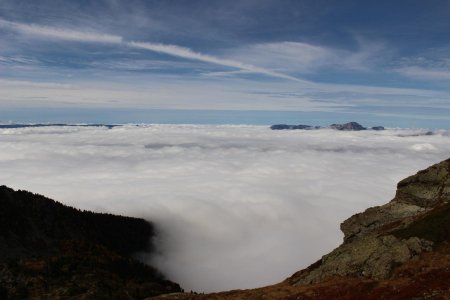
320 56
235 206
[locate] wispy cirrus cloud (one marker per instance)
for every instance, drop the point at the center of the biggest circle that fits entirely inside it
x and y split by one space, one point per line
17 59
153 93
33 84
172 50
300 57
424 73
431 65
286 56
190 54
60 33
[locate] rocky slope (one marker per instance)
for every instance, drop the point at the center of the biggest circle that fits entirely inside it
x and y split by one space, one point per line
400 250
51 251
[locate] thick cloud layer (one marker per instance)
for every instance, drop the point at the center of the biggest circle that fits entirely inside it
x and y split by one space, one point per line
236 206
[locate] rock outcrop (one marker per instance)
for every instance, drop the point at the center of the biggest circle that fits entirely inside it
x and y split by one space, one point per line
400 250
351 126
372 246
51 251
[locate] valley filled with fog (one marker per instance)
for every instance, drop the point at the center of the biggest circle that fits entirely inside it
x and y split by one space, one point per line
235 206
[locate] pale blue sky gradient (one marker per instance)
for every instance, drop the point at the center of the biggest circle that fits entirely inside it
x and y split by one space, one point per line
333 60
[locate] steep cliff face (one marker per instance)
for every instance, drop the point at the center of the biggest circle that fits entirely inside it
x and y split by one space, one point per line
51 251
400 250
377 240
415 196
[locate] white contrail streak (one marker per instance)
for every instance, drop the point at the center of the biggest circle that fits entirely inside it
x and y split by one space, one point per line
190 54
60 34
173 50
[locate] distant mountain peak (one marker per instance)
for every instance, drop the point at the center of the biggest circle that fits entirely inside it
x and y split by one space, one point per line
350 126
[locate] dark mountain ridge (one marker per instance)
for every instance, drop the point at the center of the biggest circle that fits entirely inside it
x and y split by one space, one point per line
52 251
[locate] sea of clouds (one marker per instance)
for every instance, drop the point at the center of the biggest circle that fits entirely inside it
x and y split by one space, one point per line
235 206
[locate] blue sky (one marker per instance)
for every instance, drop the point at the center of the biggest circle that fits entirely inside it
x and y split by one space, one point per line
362 59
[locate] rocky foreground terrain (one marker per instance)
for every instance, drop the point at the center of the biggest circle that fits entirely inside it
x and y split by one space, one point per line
51 251
400 250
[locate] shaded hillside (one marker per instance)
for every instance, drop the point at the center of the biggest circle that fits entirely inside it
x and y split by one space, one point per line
51 251
400 250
